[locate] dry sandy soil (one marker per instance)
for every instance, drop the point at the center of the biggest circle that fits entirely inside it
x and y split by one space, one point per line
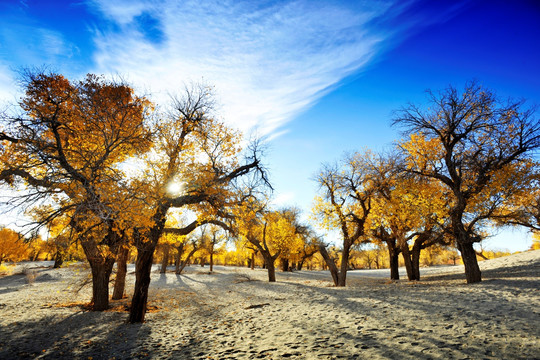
235 313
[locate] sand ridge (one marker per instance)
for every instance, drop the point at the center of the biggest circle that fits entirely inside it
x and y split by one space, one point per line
235 313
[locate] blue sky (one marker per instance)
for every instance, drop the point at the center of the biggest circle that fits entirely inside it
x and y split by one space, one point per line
318 78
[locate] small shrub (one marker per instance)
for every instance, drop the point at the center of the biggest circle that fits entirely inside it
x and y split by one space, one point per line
6 269
31 275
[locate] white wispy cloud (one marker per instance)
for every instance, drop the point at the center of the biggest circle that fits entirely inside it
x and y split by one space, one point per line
8 86
283 198
268 62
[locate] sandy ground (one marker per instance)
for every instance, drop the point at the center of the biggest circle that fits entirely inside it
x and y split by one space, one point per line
235 313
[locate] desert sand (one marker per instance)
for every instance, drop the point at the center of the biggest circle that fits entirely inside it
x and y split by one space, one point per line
234 313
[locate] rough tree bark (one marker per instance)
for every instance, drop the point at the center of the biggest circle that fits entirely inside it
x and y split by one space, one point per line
330 263
58 259
143 267
270 266
121 271
178 257
468 255
393 255
165 259
415 261
342 276
101 273
284 265
101 267
406 255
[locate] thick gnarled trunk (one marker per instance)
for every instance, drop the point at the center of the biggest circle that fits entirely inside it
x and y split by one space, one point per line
101 267
101 273
468 255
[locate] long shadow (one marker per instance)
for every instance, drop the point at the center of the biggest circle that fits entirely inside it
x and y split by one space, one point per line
458 312
15 280
79 335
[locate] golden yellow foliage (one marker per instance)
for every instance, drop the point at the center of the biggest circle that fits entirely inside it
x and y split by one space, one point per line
12 246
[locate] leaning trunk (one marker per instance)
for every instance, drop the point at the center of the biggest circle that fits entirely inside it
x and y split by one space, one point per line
58 259
143 268
185 262
177 261
121 271
330 263
468 255
35 257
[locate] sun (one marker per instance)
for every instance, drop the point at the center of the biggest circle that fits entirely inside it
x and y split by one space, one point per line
174 188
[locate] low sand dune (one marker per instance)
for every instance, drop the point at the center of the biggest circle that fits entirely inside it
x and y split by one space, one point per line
235 313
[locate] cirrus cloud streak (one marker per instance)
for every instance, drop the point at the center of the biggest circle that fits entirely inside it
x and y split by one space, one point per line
268 61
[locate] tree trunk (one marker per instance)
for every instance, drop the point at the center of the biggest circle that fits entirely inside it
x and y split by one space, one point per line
468 255
342 276
394 260
211 261
185 262
177 261
407 255
165 259
300 265
101 267
121 271
36 256
58 259
415 261
101 272
270 265
284 264
143 268
330 263
252 261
